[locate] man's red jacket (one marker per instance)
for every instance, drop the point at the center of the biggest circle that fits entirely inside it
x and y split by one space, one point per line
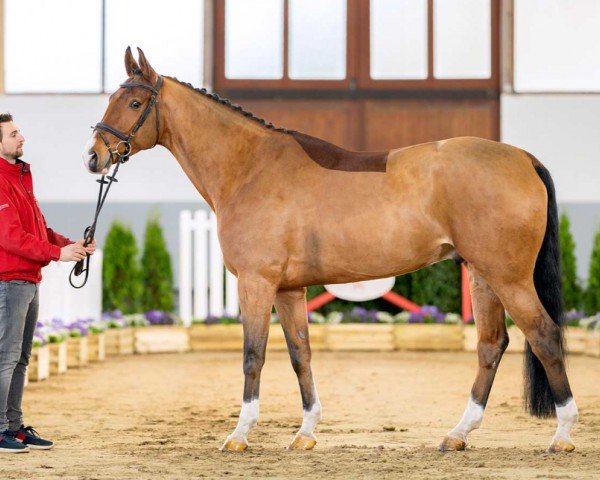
26 243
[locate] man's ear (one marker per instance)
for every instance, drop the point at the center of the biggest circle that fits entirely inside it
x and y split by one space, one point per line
147 70
131 66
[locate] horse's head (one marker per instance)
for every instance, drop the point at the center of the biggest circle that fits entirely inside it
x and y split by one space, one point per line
131 121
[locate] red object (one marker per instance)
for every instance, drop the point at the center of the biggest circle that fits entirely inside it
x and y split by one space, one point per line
391 297
467 310
319 301
26 243
401 302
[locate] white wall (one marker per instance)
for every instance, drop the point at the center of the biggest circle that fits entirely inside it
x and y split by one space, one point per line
563 132
56 128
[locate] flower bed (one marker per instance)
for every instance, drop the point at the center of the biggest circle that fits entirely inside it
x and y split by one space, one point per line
216 333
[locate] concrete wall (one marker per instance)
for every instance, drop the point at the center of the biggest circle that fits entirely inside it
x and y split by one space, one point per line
562 130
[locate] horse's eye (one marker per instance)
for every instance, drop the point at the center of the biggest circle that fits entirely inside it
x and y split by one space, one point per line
135 104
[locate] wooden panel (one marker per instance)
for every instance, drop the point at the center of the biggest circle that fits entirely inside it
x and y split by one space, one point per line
331 120
399 123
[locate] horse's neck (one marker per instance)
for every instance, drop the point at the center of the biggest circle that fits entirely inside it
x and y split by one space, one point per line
215 146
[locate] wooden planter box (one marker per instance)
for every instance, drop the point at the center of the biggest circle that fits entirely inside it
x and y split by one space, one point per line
576 340
216 337
161 339
470 338
592 347
360 337
428 336
318 337
96 347
118 341
58 357
39 364
77 352
515 336
276 342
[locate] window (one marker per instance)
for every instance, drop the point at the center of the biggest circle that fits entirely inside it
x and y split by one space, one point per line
40 54
254 39
351 45
283 43
556 46
171 38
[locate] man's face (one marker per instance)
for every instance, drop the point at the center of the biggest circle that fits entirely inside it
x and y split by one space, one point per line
11 146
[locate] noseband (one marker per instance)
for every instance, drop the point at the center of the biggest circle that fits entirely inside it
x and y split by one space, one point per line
122 157
125 140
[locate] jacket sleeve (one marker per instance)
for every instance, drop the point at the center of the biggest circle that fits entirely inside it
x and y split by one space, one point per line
14 239
57 238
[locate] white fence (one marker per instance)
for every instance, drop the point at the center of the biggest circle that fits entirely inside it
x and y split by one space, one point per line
206 288
58 299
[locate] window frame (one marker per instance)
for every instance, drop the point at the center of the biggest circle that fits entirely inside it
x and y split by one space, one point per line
285 83
365 81
357 59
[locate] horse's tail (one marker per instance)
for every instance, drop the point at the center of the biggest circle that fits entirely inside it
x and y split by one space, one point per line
548 284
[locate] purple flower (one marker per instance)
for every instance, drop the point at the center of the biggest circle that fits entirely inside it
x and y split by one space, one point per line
416 317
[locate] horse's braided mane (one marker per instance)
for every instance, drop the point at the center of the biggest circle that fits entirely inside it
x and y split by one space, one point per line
232 106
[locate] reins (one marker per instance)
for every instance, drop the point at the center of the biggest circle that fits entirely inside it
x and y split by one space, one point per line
122 157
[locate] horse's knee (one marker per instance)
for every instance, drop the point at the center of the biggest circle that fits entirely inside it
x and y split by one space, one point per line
491 351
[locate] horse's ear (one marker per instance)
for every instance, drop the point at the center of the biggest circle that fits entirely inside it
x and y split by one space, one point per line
147 70
131 66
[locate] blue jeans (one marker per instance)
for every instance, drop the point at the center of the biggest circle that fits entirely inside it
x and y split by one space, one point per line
18 317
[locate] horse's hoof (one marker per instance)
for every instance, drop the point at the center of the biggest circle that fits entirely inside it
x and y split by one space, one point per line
233 445
451 444
561 446
303 442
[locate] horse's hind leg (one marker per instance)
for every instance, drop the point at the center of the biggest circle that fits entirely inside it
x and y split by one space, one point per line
256 296
492 342
291 308
547 387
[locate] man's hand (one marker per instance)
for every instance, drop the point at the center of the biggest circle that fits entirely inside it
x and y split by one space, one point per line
72 253
91 248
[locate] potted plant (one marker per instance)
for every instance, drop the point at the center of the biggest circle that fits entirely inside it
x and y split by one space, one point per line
217 333
162 333
428 329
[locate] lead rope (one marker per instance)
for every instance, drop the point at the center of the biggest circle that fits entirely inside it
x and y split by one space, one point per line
79 268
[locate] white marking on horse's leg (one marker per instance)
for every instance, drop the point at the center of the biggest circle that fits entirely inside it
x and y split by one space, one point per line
567 417
470 420
311 417
247 420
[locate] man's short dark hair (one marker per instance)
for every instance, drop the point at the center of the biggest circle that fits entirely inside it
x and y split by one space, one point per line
4 118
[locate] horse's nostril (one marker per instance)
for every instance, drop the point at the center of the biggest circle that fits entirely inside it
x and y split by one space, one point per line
93 163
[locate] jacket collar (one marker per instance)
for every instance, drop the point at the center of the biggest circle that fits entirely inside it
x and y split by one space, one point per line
19 167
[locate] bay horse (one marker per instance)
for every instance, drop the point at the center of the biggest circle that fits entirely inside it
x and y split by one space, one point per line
294 211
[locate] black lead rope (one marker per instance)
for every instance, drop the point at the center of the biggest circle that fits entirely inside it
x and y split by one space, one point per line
122 157
90 231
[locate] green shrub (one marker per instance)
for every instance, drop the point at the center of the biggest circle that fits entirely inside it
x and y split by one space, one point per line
438 285
121 286
157 273
571 289
592 294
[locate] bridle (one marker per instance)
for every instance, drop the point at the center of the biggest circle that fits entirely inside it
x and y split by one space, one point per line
125 139
121 157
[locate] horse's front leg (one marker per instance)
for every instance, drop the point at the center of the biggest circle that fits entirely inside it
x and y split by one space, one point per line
291 307
256 296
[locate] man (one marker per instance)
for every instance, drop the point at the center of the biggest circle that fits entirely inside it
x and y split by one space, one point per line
26 245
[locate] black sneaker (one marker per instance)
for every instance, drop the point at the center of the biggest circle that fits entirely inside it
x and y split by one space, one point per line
8 444
30 438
